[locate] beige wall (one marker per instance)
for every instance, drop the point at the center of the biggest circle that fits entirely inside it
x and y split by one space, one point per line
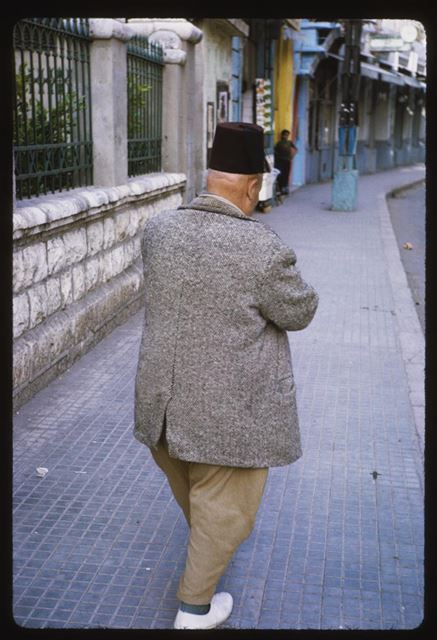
217 48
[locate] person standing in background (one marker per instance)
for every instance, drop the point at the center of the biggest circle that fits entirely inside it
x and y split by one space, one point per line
285 150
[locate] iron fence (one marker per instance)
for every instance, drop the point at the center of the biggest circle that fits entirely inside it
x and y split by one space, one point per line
145 65
52 114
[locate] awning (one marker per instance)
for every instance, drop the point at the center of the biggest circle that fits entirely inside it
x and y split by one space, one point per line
370 70
389 76
414 82
377 73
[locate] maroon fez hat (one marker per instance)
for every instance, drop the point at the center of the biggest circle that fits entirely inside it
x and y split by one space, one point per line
238 147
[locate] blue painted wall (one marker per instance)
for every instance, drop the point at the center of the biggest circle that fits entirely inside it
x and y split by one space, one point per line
299 161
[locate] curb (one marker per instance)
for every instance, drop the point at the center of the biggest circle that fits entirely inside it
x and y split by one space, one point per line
410 333
395 192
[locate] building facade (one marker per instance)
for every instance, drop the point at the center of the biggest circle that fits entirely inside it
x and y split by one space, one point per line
391 130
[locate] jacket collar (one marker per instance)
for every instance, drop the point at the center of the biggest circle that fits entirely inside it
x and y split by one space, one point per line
214 204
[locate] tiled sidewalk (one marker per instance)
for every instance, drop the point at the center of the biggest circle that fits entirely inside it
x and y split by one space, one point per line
338 542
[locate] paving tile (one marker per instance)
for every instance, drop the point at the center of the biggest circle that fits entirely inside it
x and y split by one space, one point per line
60 615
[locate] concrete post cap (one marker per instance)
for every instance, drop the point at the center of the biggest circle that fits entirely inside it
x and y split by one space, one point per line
105 28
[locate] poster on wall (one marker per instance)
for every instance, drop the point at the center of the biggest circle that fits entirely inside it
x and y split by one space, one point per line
222 102
210 128
264 104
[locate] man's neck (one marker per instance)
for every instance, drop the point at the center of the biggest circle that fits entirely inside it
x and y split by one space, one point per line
220 197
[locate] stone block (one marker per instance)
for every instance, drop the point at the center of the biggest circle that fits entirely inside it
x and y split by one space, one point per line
143 213
44 345
75 243
21 362
134 222
34 216
92 273
34 264
38 304
121 223
78 278
95 237
117 260
56 255
19 224
62 207
66 283
129 253
57 339
21 314
54 299
81 322
108 233
94 197
105 266
19 276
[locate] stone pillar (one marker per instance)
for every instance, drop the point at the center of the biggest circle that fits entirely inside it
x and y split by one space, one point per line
108 59
173 121
182 115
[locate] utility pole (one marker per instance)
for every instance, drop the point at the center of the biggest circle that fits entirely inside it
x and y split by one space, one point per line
345 184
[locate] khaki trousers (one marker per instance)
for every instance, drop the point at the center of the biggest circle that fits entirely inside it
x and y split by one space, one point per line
220 505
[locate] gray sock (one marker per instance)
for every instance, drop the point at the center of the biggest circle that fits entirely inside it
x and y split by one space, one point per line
199 609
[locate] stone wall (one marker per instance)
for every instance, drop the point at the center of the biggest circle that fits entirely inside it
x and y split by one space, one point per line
77 271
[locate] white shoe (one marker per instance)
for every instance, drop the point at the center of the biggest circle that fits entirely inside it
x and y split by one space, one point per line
220 610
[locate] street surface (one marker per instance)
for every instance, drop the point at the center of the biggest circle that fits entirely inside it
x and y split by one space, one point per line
338 541
407 213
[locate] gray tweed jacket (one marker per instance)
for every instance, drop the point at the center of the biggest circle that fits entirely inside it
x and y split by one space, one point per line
221 291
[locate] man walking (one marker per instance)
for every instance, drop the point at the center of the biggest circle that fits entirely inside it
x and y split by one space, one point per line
215 395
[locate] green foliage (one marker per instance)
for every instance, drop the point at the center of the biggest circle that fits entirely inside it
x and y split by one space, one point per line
47 108
47 113
137 100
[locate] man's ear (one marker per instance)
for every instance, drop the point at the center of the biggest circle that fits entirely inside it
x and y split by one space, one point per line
253 186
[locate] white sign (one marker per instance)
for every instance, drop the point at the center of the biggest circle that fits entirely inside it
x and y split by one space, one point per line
387 44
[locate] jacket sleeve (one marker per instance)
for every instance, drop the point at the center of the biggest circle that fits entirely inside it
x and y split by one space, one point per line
285 298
